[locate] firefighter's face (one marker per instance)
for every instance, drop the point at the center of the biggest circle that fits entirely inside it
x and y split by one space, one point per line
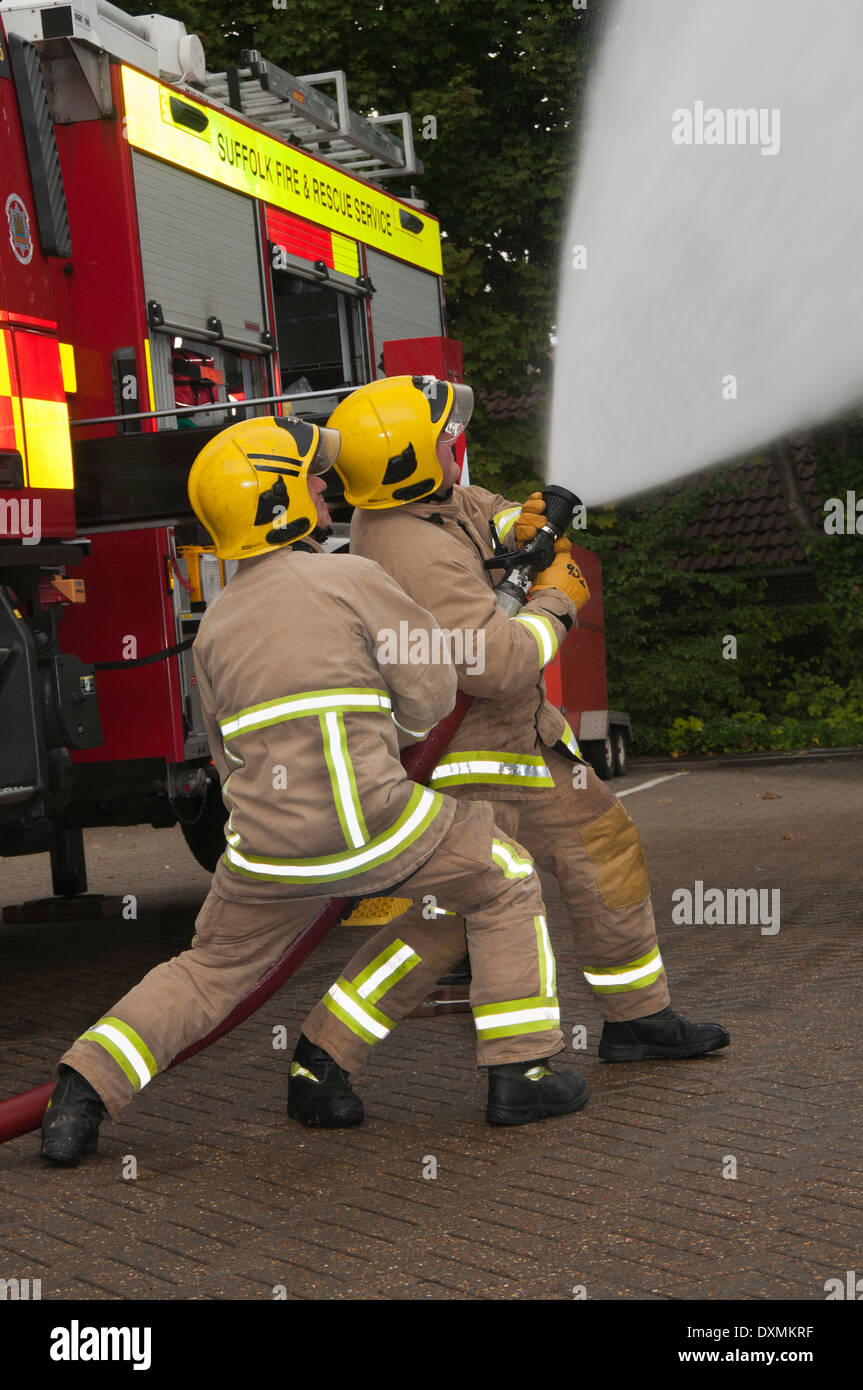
449 466
317 488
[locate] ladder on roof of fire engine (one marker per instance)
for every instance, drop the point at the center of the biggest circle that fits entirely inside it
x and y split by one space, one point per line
295 109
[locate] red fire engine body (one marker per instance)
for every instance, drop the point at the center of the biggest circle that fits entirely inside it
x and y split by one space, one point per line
178 248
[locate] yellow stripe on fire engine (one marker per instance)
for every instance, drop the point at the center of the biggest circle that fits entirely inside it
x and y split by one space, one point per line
9 391
346 256
5 379
67 366
149 362
230 153
49 453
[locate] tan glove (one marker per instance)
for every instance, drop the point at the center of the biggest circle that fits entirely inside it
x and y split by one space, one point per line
563 573
531 519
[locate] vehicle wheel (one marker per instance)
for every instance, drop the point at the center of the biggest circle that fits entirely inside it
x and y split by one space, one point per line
621 756
206 836
600 755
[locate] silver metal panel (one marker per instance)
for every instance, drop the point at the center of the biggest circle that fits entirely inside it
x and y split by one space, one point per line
406 302
593 724
199 250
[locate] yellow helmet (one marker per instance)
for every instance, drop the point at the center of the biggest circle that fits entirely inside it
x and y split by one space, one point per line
390 431
249 486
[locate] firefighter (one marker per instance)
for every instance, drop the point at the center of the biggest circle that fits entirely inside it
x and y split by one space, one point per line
304 726
514 749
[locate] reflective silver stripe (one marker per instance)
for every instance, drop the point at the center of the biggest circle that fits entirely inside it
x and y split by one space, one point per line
334 864
475 767
343 781
384 971
548 1014
569 741
512 865
415 733
626 977
505 520
544 634
356 1012
305 704
128 1049
547 972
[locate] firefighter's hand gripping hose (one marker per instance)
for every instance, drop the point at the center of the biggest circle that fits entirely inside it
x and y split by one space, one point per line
23 1113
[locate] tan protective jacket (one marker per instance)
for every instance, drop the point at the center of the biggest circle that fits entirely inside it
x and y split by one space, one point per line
302 720
435 550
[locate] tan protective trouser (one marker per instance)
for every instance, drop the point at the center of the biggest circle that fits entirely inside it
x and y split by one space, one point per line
486 876
583 836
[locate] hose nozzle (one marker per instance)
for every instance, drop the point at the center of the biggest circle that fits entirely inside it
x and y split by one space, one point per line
524 565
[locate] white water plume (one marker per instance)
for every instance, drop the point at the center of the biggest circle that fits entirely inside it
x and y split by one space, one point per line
711 293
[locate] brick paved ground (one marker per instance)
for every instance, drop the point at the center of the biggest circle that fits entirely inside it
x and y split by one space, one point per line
626 1198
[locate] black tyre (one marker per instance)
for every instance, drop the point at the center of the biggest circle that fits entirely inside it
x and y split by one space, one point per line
600 755
206 836
621 753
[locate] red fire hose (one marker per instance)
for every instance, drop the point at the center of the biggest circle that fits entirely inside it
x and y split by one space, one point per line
24 1113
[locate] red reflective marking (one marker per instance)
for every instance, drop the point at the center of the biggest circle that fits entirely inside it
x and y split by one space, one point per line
30 322
302 238
7 424
39 372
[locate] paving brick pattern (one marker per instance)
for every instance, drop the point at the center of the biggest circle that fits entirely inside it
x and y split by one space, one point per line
626 1199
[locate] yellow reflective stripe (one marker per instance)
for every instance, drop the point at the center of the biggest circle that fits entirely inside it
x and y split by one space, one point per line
416 818
5 377
359 701
569 741
49 452
361 1017
547 971
504 521
297 1070
93 1035
342 779
67 367
117 1037
385 971
346 256
505 856
415 733
487 767
615 979
148 360
508 1020
546 638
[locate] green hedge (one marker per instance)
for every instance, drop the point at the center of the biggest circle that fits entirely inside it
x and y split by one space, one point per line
797 680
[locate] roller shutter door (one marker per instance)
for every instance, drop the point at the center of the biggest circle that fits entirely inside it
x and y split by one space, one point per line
406 302
199 250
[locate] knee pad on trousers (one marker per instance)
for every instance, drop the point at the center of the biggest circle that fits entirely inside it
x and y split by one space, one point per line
613 844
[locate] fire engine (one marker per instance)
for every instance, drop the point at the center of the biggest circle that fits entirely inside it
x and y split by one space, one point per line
179 248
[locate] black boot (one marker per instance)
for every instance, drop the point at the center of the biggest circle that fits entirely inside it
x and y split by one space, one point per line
319 1092
665 1035
70 1125
520 1092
